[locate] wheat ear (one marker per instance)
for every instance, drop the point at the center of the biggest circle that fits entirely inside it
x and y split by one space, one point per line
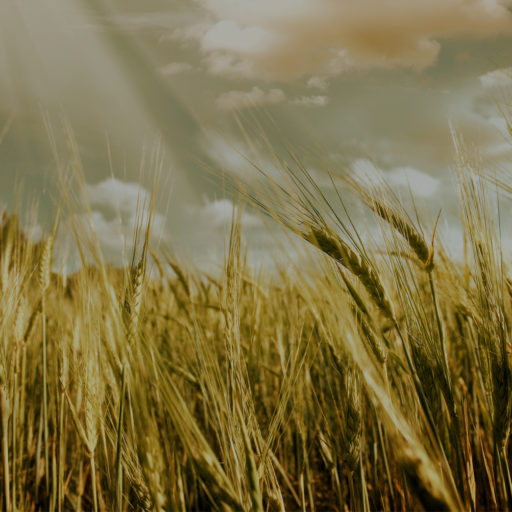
337 249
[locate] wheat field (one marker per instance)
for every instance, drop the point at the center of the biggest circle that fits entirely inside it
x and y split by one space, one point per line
371 380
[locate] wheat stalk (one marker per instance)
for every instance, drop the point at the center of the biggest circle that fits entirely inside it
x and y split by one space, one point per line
337 249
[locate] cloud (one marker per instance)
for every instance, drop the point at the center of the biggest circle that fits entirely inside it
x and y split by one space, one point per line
366 167
219 214
117 195
175 68
318 82
312 101
34 232
237 159
234 100
497 78
420 183
483 117
115 234
221 63
118 208
229 156
227 35
287 39
255 97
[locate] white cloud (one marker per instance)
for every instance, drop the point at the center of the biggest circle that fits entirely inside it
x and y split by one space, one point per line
483 117
226 154
318 82
420 183
233 100
452 237
118 208
236 158
227 35
497 78
175 68
501 151
222 63
312 101
118 195
115 234
365 167
111 233
255 97
286 39
188 32
34 232
219 213
325 179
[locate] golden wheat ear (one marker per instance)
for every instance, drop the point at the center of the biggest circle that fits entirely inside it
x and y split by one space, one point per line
341 252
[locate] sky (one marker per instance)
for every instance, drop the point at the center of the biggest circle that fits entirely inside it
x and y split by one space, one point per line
123 89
